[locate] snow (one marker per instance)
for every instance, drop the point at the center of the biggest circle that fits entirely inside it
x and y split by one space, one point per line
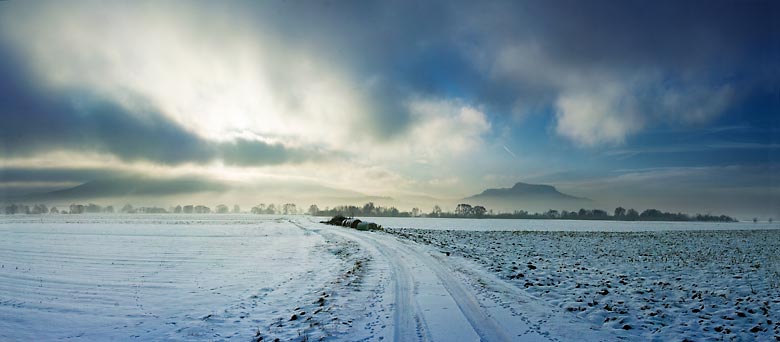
152 278
671 285
562 225
243 277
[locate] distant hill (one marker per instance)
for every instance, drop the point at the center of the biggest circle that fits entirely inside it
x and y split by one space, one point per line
530 197
126 186
153 190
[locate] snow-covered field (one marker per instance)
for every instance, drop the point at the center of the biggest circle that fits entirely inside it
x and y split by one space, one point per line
563 225
157 278
249 278
664 286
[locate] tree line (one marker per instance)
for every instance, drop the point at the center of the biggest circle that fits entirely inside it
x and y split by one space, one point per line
92 208
462 210
465 210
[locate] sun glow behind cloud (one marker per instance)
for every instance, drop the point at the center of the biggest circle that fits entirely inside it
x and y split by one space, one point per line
220 79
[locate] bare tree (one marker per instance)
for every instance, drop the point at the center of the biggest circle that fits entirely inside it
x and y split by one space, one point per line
463 209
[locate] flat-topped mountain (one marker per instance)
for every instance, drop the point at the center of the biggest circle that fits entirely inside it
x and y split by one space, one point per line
524 196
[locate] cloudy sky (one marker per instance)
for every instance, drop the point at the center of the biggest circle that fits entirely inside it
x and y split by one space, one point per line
668 104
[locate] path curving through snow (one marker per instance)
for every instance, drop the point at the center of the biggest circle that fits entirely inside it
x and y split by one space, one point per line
423 307
439 298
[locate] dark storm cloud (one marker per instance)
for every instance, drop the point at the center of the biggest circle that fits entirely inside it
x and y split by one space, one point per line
443 48
38 119
635 33
140 185
47 184
642 64
246 153
79 175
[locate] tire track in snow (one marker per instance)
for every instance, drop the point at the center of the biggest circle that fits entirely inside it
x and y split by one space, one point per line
411 266
408 324
487 328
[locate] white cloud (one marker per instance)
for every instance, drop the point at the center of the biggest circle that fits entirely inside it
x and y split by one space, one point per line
444 129
604 109
597 116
